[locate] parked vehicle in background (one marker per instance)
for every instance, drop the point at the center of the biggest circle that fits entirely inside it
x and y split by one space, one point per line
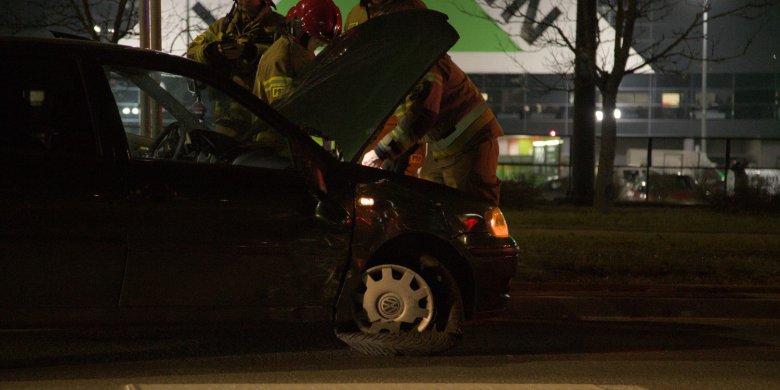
554 189
666 188
693 163
766 180
671 161
128 100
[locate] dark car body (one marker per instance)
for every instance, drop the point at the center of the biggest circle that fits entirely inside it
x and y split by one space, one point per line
101 227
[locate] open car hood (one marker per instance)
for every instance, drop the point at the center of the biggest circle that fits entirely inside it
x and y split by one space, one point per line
353 86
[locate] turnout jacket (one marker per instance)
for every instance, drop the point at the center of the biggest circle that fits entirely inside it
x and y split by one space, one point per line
279 66
256 34
446 110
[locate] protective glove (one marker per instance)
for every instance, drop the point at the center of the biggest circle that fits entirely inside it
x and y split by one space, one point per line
231 50
371 159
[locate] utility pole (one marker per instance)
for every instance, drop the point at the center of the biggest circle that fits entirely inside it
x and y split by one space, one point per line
704 79
150 38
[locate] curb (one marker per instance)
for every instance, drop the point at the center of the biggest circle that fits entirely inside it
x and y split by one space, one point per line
529 300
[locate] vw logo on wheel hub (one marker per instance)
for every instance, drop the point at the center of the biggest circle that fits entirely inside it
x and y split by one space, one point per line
390 306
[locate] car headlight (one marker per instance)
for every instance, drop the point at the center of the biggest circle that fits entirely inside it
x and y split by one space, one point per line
496 223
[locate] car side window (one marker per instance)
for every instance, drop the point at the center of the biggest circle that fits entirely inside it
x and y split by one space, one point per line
190 121
44 108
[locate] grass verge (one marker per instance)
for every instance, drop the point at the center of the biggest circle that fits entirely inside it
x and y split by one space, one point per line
646 246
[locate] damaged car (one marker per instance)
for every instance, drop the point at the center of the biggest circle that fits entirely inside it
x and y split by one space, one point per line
200 204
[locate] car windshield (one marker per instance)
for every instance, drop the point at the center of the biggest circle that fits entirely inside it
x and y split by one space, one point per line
176 101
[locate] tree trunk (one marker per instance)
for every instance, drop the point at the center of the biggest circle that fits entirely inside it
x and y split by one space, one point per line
583 136
605 190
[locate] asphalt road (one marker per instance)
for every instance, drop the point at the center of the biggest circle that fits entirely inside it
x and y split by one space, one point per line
511 353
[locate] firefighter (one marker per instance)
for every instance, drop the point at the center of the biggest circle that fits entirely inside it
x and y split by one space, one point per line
367 9
447 111
410 163
234 44
310 24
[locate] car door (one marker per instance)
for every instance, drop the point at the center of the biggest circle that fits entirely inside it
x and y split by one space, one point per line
233 226
62 235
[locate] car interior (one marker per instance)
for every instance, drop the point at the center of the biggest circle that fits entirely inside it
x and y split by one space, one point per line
195 127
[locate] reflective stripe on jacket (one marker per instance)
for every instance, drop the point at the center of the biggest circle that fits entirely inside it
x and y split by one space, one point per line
444 109
279 66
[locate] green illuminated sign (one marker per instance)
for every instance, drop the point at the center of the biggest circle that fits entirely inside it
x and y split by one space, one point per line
477 32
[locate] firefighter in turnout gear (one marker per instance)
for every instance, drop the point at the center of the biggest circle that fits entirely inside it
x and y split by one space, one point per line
310 25
234 44
447 112
411 162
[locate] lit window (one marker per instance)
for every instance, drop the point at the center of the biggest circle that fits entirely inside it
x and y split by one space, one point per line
670 100
37 97
616 114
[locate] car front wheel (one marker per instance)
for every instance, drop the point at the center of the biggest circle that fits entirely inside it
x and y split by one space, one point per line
401 311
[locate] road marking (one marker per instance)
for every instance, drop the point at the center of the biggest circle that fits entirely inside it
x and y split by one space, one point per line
381 386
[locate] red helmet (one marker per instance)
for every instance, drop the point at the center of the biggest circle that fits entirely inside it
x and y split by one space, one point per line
318 18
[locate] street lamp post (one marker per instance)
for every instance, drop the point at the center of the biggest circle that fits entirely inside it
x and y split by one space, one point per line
704 79
150 28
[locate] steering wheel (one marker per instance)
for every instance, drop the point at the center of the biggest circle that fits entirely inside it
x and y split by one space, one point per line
170 143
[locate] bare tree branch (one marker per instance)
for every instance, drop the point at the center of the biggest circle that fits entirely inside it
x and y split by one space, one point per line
116 18
625 17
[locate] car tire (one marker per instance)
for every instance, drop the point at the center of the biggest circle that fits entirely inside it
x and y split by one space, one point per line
436 331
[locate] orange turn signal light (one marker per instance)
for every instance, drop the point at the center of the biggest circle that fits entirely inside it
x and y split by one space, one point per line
497 223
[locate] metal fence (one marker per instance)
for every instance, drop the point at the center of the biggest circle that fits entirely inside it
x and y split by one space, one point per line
657 169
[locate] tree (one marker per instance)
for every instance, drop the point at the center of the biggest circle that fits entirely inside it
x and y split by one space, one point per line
618 53
99 20
182 24
583 135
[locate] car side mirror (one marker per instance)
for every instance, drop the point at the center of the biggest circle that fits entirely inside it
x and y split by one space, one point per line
317 181
326 210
